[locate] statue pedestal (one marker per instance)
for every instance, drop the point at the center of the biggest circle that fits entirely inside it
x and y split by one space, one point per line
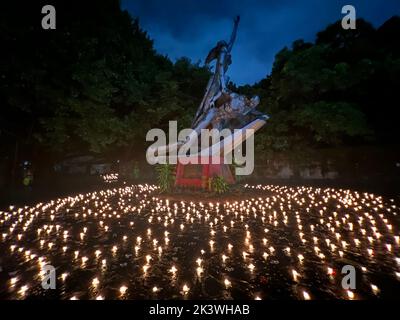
198 175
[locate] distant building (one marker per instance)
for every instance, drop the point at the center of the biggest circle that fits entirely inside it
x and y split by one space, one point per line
83 164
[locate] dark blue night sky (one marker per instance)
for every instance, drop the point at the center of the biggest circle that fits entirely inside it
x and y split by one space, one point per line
191 27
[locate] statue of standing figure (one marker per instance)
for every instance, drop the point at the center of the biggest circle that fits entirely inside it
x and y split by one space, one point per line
221 108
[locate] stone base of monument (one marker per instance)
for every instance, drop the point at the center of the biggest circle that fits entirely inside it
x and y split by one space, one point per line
199 175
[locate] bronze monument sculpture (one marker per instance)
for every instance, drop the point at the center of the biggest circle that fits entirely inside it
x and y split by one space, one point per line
220 106
219 109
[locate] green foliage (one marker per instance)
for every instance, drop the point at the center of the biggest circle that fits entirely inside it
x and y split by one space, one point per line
219 185
339 90
165 177
329 122
98 85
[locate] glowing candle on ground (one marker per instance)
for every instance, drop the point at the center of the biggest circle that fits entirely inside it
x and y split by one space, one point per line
123 290
13 281
173 270
95 282
199 271
295 275
374 288
350 294
306 295
185 289
23 290
84 259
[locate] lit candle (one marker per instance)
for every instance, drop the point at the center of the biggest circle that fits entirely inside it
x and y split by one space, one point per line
173 270
199 271
350 294
295 275
185 289
95 282
374 288
306 296
23 290
123 290
13 281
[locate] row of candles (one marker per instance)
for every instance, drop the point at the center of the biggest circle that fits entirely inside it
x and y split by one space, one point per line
332 223
110 177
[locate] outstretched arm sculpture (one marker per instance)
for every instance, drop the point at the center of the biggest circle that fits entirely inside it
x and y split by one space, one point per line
234 32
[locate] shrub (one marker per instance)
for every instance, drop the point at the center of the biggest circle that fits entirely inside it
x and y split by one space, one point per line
165 176
219 185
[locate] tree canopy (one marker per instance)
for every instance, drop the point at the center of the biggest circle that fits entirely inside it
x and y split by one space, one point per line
340 90
96 84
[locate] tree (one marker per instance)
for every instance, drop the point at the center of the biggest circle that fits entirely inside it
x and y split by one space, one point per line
95 84
338 91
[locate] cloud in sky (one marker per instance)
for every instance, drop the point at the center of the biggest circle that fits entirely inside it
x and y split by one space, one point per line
191 28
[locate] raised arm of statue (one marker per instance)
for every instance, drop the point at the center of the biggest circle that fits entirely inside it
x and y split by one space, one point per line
217 83
234 31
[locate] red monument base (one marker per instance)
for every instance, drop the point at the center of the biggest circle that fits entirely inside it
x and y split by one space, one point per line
199 175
